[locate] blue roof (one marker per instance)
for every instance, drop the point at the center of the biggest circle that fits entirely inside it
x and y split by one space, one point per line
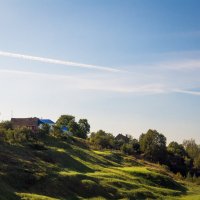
64 128
46 121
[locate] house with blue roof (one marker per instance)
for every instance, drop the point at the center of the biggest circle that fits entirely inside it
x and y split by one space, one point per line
46 121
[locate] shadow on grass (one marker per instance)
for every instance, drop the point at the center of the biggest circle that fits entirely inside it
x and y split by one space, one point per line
6 193
63 160
74 150
160 181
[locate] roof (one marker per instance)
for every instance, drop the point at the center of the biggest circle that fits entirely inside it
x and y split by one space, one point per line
121 137
25 121
46 121
64 128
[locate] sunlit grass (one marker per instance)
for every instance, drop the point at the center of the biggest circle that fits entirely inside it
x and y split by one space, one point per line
28 196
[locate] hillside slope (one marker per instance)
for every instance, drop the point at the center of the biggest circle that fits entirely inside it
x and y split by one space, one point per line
68 169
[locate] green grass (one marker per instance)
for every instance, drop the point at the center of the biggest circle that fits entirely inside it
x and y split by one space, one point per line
68 169
26 196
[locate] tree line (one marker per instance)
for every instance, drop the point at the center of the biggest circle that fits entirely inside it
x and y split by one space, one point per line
183 159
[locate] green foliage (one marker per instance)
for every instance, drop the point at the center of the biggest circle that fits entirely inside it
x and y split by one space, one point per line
56 131
44 130
131 148
197 161
102 139
193 150
127 149
74 128
120 140
84 128
64 120
80 129
5 125
189 177
18 135
57 166
153 145
177 158
69 170
176 149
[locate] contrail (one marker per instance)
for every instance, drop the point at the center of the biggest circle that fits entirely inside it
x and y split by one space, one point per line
55 61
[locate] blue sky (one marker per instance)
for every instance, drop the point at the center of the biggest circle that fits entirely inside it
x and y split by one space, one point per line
135 63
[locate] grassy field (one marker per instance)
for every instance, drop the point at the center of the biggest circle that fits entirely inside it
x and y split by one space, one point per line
68 169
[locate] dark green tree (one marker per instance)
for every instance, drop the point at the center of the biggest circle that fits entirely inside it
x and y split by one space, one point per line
74 128
153 145
56 131
177 158
44 130
193 151
64 120
102 139
6 125
84 128
176 149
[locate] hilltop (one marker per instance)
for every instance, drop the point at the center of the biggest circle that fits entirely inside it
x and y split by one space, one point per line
67 168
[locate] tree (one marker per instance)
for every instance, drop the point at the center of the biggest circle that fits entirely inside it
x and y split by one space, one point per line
136 146
127 148
56 131
74 128
176 149
177 158
84 128
153 145
6 125
64 120
102 139
44 130
193 150
120 140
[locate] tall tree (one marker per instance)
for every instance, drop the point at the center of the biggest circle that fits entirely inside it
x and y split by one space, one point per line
84 128
153 145
177 159
176 149
74 128
193 151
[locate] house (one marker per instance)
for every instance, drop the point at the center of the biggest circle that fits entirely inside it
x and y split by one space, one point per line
121 137
46 121
33 123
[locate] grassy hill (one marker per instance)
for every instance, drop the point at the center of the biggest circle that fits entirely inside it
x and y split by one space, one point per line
59 169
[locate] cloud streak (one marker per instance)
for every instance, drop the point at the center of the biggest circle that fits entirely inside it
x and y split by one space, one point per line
197 93
58 62
87 83
181 65
101 84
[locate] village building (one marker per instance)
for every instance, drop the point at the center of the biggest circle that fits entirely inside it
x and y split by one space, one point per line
121 137
32 123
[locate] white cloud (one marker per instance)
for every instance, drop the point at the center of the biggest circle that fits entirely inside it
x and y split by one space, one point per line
101 83
179 65
187 92
55 61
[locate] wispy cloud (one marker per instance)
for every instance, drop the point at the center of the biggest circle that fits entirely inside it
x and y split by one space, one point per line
89 83
182 64
58 62
188 92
